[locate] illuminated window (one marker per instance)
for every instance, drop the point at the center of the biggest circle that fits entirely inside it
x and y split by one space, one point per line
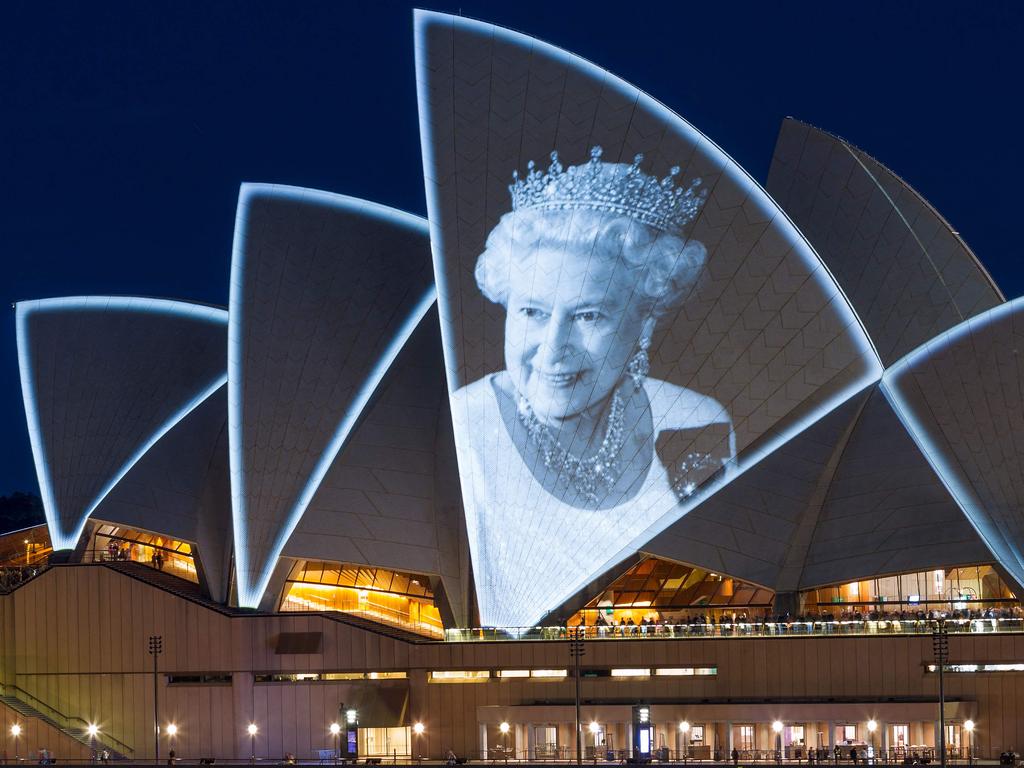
507 673
685 671
460 676
113 543
344 676
631 672
387 597
746 737
387 675
549 673
969 668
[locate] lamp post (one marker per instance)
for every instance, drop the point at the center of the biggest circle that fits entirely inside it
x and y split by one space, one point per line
594 730
156 647
684 728
576 651
15 733
777 727
504 728
253 730
92 730
872 727
171 730
940 650
417 731
336 733
969 727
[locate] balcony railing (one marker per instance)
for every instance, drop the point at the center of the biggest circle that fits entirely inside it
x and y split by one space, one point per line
703 631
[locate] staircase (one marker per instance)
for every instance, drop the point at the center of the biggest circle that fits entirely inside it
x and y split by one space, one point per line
72 727
167 582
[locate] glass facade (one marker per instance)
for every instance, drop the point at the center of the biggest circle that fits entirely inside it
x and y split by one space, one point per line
956 588
388 597
113 542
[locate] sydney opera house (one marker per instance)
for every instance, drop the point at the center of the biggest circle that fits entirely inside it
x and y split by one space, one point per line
729 458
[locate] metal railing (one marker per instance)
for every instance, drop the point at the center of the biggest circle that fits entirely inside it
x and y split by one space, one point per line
70 724
805 628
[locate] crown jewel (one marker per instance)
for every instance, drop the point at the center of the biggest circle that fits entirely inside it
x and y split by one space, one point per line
611 187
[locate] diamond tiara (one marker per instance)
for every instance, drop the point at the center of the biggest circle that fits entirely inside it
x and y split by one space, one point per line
610 187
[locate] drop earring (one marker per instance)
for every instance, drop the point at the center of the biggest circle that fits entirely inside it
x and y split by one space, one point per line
640 364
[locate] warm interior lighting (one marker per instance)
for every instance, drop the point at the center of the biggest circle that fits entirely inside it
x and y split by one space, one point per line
253 730
513 673
968 725
92 729
335 729
777 726
549 673
503 727
172 729
684 727
418 728
631 672
16 730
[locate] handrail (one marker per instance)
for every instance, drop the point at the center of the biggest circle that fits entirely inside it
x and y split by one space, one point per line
67 722
705 630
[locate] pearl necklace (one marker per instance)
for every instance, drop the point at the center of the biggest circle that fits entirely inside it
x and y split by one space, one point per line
588 476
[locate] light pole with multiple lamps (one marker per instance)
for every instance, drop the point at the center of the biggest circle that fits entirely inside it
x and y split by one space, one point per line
335 730
940 650
576 651
684 729
969 727
777 728
417 731
15 733
252 731
156 647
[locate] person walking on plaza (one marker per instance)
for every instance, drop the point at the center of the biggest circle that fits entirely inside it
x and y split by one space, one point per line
735 756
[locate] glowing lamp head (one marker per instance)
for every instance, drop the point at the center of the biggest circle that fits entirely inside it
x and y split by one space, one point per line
684 727
252 729
351 716
872 726
335 729
777 726
92 729
15 730
503 727
968 725
594 727
172 729
418 728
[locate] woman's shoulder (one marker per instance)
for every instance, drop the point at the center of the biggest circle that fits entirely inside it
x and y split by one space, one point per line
676 407
477 394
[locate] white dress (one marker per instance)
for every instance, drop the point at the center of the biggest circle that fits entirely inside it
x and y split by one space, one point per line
531 550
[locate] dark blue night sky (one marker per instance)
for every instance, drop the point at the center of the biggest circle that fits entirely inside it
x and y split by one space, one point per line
127 127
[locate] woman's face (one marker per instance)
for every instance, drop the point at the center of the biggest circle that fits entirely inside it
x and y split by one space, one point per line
572 326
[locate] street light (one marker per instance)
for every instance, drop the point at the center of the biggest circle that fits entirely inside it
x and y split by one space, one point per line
16 732
969 727
92 730
777 727
336 733
684 728
872 727
417 730
253 730
504 728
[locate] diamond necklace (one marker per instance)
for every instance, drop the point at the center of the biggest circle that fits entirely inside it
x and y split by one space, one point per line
587 475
